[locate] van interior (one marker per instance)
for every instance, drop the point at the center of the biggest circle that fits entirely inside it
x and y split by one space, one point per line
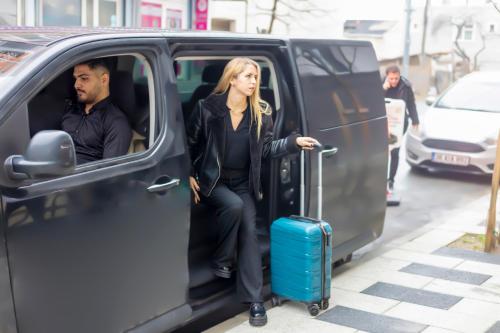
130 91
196 79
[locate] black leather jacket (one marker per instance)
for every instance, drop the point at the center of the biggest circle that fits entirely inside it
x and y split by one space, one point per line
206 137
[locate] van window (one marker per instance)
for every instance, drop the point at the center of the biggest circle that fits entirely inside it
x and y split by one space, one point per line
130 87
340 81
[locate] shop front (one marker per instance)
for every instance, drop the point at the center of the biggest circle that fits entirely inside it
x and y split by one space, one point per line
165 14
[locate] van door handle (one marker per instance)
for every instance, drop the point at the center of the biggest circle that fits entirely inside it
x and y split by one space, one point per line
164 187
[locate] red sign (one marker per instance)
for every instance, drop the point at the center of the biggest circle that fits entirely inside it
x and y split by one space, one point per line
200 14
150 15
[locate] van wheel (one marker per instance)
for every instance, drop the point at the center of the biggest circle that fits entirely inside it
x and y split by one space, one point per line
342 261
325 304
275 301
313 309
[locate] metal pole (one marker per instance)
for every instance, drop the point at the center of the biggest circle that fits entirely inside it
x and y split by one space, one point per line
246 16
406 53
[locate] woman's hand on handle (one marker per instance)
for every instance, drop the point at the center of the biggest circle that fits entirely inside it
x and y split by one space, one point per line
306 142
195 188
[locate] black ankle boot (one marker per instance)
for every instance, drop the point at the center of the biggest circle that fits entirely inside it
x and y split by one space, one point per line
258 315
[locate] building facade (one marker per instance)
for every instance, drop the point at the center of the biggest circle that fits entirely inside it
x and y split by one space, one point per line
166 14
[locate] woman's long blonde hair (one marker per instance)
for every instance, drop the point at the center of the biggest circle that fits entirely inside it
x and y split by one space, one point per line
257 106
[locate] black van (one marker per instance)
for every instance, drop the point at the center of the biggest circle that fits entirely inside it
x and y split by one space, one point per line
116 245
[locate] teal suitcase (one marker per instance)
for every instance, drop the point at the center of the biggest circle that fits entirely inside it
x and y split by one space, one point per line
301 253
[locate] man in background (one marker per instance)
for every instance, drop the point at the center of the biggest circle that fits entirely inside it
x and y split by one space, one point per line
398 87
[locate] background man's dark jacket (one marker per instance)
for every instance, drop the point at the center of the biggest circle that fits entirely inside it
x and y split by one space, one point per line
206 141
404 91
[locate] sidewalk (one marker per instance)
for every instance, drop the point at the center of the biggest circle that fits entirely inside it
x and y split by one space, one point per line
416 284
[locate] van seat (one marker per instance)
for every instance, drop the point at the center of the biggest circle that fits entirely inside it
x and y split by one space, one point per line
133 101
209 77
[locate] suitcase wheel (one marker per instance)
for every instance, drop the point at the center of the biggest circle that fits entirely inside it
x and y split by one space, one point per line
313 309
275 301
324 304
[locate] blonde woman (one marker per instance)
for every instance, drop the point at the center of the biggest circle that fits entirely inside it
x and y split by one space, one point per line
229 133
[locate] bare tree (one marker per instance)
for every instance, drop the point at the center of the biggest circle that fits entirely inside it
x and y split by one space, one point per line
461 22
288 12
460 25
495 4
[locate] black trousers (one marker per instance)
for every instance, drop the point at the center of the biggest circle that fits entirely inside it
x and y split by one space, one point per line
237 235
393 168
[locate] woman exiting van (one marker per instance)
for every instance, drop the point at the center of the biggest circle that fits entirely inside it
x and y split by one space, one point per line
229 134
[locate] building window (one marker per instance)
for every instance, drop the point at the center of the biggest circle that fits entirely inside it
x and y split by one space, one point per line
61 12
467 32
223 25
8 14
108 10
103 13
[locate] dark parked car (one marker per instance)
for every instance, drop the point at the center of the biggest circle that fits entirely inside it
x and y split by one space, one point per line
116 245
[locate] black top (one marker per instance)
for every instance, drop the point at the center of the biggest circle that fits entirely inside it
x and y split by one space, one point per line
404 91
237 150
102 133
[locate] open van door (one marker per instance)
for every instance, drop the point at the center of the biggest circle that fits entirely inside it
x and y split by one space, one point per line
343 106
101 247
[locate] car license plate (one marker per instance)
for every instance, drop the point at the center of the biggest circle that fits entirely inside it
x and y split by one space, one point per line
450 159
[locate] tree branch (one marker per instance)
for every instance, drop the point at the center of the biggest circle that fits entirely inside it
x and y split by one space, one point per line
495 5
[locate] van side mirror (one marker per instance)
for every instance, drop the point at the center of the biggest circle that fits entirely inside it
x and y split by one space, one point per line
430 100
49 154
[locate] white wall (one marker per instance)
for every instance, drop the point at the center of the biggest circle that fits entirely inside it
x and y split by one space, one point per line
228 10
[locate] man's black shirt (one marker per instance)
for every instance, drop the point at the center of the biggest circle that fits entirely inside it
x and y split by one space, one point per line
102 133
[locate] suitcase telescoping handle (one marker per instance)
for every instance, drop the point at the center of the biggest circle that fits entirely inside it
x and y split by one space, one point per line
321 151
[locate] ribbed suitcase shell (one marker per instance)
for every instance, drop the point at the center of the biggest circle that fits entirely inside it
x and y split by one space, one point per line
298 259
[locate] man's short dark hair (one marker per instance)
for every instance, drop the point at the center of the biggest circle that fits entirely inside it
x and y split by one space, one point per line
392 69
97 63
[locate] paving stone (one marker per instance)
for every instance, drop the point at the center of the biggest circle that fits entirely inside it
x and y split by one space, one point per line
495 328
412 295
394 277
423 258
446 273
445 319
468 255
484 292
480 267
369 322
362 302
432 329
477 308
438 236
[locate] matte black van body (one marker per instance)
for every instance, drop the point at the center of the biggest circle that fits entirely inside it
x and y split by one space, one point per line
116 245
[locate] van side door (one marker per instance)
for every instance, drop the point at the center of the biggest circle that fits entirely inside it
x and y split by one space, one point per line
343 106
103 249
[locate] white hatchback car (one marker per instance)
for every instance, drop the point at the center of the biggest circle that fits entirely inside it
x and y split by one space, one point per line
459 131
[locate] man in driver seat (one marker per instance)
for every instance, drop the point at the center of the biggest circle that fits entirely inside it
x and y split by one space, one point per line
99 129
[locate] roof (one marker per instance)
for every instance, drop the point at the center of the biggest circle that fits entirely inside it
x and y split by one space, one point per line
44 36
375 28
48 35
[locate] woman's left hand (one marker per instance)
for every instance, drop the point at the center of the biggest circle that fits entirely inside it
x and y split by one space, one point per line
306 142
